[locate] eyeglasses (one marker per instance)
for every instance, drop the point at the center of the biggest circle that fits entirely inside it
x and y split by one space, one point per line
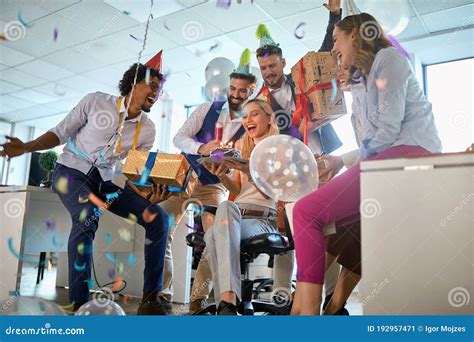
156 88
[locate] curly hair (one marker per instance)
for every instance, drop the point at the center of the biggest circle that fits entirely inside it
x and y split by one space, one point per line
268 50
126 83
369 40
250 77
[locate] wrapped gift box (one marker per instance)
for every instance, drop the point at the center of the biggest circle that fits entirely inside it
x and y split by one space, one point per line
318 68
167 169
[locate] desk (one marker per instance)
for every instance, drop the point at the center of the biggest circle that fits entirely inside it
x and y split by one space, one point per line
417 236
26 219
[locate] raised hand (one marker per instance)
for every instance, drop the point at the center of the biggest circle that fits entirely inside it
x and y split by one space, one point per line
14 148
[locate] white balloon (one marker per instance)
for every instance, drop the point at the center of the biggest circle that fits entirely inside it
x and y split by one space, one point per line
392 15
217 87
219 66
96 307
283 168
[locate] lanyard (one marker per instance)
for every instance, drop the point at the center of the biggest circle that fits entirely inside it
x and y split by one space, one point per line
137 130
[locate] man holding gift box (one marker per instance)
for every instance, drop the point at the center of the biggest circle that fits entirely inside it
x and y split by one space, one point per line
197 138
101 129
279 91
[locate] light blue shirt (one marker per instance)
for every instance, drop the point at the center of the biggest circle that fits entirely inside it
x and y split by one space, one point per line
394 110
90 131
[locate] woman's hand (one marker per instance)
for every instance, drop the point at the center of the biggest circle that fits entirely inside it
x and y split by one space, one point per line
333 6
219 170
240 166
328 167
159 193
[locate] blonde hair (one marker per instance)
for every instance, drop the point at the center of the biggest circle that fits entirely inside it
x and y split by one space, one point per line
247 142
369 39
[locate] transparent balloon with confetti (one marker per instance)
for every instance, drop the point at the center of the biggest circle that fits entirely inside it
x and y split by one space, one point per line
96 308
283 168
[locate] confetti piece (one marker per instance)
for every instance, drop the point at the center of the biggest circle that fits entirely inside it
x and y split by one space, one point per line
125 234
83 200
110 257
334 90
108 238
111 273
83 215
137 39
78 267
50 224
144 176
224 4
171 220
381 83
55 34
90 284
397 44
126 298
215 46
120 268
117 284
22 21
101 157
166 26
148 242
61 185
147 76
131 259
126 12
132 218
17 255
80 248
303 32
75 150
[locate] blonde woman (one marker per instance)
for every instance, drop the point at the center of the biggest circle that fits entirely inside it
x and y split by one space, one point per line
396 122
230 226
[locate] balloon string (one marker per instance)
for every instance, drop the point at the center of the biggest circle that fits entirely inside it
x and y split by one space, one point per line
122 123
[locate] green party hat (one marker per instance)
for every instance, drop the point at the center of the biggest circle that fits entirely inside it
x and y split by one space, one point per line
264 36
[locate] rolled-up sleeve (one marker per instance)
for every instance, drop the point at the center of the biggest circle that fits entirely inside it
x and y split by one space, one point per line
73 121
184 139
391 77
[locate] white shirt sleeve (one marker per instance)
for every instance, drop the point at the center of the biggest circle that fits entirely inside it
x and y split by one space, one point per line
149 138
76 118
184 139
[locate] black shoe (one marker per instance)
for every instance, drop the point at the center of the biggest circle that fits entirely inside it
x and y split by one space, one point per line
155 307
227 309
327 300
341 312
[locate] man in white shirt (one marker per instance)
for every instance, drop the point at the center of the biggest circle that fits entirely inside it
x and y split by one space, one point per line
195 139
99 130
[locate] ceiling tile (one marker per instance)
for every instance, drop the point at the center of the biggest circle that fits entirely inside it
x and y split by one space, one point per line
106 50
56 91
47 123
3 67
74 61
140 9
65 105
315 21
414 29
227 20
56 5
221 46
457 17
38 40
7 87
184 27
20 78
33 96
27 10
108 75
85 85
191 3
31 112
97 17
429 6
44 70
180 59
287 7
11 57
10 103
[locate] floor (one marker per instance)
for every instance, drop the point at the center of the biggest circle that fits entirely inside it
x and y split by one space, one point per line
47 290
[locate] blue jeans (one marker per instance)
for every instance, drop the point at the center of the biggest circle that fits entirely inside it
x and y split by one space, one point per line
84 227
